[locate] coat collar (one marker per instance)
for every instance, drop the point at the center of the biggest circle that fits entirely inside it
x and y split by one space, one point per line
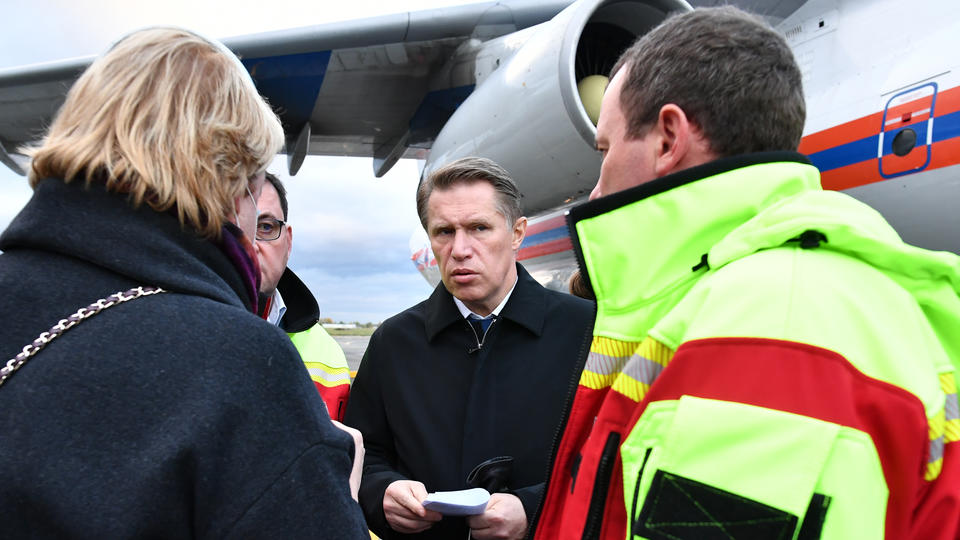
641 248
303 312
89 223
525 306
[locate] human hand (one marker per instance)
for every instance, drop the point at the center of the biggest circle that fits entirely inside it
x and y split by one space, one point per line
358 452
403 507
504 518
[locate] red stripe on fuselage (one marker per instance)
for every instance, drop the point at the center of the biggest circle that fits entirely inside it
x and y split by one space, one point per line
546 225
546 248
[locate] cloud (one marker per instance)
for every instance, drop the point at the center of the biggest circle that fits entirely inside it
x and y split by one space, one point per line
14 193
346 221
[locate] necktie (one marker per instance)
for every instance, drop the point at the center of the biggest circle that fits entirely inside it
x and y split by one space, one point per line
480 326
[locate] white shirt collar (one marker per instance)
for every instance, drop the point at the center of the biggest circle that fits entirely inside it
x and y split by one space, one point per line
277 309
465 311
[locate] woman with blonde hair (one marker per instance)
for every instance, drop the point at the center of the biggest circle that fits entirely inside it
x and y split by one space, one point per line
175 411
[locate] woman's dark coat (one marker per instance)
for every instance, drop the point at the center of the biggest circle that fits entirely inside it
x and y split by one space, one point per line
172 416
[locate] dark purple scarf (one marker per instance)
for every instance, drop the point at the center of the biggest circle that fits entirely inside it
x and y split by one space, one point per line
238 248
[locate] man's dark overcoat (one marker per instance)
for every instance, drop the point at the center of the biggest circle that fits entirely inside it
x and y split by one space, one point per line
431 406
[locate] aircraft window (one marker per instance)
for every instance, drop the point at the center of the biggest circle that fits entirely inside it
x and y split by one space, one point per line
904 142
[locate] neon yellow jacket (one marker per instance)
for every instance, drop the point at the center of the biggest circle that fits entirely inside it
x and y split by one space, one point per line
321 354
768 359
327 366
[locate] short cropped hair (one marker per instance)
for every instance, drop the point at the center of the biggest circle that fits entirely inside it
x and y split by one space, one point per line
281 192
733 76
467 170
168 117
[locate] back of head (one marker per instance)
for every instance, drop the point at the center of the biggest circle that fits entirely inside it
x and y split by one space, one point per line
733 76
168 117
472 169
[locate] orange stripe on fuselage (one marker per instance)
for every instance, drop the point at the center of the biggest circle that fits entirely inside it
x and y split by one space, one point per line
841 134
858 174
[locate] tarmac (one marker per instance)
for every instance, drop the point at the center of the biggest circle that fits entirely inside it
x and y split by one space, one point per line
353 348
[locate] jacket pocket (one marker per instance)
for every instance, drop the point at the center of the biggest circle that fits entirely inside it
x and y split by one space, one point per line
699 468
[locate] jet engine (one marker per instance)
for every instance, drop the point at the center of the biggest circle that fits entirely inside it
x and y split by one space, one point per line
526 112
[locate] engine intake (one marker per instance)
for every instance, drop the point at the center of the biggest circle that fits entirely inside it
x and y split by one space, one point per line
531 103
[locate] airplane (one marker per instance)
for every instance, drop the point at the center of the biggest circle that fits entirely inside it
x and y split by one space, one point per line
883 122
500 80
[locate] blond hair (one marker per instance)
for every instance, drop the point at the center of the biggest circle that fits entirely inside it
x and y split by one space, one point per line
168 117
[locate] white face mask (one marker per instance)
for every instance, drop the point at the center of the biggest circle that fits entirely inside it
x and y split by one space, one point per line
236 216
254 201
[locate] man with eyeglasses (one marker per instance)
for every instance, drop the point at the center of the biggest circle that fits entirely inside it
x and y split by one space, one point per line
288 303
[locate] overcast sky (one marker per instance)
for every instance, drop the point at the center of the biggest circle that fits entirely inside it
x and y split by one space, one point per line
351 230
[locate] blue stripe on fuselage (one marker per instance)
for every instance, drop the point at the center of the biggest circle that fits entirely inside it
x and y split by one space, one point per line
545 236
944 127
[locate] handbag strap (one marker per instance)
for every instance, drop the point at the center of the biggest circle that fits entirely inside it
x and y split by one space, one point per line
43 339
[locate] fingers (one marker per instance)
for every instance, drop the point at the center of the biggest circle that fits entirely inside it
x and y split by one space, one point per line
356 472
355 433
403 508
503 518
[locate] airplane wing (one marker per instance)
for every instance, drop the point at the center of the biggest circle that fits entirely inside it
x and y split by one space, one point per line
380 87
495 79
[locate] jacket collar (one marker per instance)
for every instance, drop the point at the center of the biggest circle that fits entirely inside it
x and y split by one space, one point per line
525 306
303 312
89 223
641 248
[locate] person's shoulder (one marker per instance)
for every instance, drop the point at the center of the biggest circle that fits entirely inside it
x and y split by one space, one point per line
416 314
210 324
567 302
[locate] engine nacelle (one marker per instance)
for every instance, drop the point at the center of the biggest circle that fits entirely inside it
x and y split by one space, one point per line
527 114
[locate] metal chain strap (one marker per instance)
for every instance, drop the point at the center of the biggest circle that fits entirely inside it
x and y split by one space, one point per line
43 339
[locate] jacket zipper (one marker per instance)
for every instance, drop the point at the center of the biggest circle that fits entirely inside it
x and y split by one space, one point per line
571 394
598 499
634 519
480 341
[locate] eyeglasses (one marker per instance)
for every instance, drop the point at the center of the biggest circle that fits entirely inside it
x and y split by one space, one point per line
269 229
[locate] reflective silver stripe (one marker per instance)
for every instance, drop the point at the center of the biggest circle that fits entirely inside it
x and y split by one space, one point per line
602 364
951 409
643 369
327 376
936 449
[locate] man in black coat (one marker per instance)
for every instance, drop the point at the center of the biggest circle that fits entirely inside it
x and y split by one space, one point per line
437 394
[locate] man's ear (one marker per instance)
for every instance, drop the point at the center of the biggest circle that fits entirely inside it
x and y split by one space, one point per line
519 232
290 239
676 136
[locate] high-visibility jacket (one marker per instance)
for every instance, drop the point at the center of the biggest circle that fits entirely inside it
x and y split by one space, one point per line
327 366
321 354
769 360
